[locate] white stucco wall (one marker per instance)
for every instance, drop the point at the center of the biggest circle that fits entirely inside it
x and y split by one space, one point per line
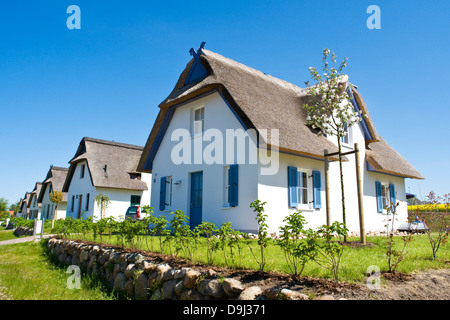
273 190
269 188
48 207
373 220
34 211
217 115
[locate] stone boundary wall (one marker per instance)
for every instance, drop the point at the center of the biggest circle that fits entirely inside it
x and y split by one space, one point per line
23 231
142 279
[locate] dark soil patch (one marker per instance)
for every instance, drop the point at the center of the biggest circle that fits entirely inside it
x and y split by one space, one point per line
396 276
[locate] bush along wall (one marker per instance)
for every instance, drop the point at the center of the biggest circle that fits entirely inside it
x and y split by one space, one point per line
140 278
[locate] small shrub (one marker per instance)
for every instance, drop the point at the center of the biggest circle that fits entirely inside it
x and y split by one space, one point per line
258 207
324 251
296 250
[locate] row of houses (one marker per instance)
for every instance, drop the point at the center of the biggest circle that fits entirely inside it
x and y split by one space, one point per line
187 165
98 167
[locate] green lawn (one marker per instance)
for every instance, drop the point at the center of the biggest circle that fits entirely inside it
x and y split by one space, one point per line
7 235
27 274
354 263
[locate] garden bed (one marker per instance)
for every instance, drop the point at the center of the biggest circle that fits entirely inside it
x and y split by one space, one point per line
431 284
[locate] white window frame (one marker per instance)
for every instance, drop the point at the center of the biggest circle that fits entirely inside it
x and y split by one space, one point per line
385 196
347 139
309 190
194 121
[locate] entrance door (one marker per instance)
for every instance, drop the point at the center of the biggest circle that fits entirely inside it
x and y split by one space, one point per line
196 199
80 197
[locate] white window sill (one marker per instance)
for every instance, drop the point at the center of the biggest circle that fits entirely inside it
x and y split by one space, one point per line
347 146
197 135
227 207
303 209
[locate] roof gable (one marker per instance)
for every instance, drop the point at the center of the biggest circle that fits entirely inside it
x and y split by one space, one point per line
197 71
55 177
34 193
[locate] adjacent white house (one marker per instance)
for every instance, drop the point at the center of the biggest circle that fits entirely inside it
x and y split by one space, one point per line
54 181
208 153
34 206
23 213
107 168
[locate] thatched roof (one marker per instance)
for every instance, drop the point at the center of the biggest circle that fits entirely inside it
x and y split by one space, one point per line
55 177
24 201
34 193
259 100
381 157
110 164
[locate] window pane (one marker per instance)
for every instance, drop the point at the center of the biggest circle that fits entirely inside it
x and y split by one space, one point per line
303 188
384 192
199 120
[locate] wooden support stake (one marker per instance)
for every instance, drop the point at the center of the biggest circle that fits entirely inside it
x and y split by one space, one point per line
327 187
362 230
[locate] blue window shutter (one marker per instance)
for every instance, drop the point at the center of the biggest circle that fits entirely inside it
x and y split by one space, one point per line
392 194
317 188
162 194
234 187
379 196
293 186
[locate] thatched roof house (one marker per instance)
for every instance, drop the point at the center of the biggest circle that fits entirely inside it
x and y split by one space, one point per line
214 92
261 101
55 179
24 204
34 195
105 168
110 164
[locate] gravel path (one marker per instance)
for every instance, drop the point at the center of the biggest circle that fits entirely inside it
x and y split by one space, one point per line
24 239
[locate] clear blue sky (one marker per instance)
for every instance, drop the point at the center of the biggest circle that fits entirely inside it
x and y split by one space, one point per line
106 80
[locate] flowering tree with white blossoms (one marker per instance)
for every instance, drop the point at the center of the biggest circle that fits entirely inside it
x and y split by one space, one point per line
329 108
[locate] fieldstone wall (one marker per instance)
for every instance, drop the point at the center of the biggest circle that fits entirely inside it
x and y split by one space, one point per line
23 231
142 279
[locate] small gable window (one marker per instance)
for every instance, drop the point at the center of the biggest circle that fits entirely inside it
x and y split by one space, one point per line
198 124
83 167
347 138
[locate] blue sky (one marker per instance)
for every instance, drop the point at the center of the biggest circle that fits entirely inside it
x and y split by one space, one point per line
107 79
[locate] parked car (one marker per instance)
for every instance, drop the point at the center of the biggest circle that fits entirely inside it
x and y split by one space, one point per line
414 226
133 213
